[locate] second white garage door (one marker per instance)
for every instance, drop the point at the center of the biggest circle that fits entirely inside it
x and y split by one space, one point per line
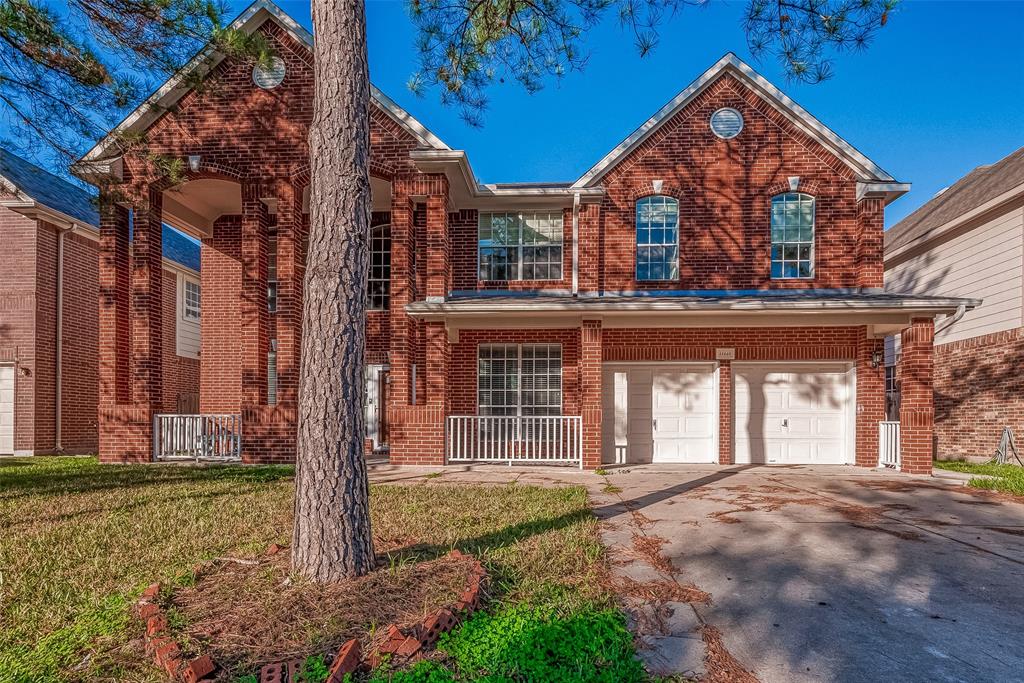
793 414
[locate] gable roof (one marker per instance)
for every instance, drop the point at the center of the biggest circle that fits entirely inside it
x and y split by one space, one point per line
982 189
42 187
865 169
254 16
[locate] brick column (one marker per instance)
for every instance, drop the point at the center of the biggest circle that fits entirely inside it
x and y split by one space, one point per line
725 416
590 392
147 301
870 399
439 271
114 333
401 292
291 268
437 365
870 227
253 342
917 409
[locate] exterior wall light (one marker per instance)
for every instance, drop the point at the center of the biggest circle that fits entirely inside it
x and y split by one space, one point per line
876 358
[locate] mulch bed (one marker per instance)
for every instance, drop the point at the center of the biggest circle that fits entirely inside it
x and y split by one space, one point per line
245 613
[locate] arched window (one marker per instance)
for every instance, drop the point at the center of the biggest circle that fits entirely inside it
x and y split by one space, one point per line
378 289
792 235
657 238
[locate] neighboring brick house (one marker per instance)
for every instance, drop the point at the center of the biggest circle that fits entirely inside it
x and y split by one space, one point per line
968 241
710 291
49 291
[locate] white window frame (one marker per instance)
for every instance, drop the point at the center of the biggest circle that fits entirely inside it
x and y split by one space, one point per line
672 265
386 254
533 408
272 288
516 269
192 314
785 244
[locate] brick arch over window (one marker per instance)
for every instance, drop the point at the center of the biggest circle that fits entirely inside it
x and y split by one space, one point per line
638 192
806 186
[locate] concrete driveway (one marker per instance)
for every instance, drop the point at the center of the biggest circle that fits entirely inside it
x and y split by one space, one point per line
835 574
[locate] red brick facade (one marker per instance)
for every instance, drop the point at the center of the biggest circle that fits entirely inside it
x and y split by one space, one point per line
979 389
256 140
28 329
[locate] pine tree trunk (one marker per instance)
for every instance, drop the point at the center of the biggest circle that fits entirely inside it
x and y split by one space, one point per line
332 538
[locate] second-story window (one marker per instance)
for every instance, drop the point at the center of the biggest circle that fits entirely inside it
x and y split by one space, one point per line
657 238
792 236
272 274
378 289
520 246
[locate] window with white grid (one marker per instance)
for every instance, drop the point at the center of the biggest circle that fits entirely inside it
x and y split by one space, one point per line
272 274
520 246
191 298
378 290
657 238
519 379
792 236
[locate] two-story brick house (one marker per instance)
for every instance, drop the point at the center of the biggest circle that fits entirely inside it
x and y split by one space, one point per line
710 291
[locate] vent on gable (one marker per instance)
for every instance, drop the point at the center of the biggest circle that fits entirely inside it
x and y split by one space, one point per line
269 77
726 123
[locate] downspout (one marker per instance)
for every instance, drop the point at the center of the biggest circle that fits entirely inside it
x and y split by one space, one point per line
59 360
952 320
576 244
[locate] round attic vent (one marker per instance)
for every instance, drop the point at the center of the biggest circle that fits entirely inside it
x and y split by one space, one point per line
268 77
726 123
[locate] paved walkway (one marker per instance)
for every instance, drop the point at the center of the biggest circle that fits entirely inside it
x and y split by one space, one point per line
827 573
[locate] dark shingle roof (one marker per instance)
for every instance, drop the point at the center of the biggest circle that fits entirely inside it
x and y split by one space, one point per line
977 187
60 195
180 248
48 189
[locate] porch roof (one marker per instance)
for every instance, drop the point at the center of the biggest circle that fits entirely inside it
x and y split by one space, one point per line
884 312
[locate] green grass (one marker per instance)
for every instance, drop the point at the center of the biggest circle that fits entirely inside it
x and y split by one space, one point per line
80 540
1007 478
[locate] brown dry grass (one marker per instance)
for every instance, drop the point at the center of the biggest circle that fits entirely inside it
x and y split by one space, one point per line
246 615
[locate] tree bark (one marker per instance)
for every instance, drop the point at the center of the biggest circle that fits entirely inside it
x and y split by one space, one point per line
332 538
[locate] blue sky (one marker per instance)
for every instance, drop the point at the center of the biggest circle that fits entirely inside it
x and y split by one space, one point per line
939 92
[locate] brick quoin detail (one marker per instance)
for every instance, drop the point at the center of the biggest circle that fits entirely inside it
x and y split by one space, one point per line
917 411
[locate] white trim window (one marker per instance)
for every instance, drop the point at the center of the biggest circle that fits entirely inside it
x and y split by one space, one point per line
378 290
657 238
520 246
792 236
519 379
272 274
191 298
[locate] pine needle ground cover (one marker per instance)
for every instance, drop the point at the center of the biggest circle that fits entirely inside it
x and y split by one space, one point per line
81 539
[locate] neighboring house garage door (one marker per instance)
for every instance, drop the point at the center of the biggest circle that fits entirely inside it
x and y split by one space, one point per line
6 409
793 414
659 413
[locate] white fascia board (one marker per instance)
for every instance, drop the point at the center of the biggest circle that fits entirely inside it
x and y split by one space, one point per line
467 189
248 21
860 164
30 208
892 256
887 191
175 267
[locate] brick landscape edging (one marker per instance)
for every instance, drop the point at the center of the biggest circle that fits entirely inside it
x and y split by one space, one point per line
399 646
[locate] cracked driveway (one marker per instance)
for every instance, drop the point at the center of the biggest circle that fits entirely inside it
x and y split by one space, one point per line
835 573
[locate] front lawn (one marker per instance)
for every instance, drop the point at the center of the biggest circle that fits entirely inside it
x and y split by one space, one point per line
79 540
1008 478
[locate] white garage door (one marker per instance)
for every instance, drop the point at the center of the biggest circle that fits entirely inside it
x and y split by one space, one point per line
6 409
659 413
793 414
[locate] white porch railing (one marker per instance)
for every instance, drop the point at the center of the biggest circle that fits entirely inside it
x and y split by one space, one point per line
889 445
197 437
555 439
